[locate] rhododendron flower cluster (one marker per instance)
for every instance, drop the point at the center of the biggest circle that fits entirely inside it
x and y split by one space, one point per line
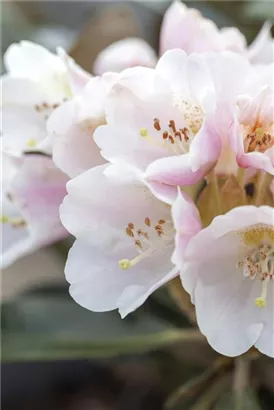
168 169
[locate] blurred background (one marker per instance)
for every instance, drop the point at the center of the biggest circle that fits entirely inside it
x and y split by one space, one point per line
56 355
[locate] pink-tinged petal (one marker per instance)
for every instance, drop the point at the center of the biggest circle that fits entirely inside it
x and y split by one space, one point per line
258 109
164 192
77 77
258 160
74 149
189 168
187 223
175 170
187 29
123 54
254 114
206 147
261 51
36 190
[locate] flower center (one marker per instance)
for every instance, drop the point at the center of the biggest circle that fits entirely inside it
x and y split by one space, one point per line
258 140
175 140
147 239
259 262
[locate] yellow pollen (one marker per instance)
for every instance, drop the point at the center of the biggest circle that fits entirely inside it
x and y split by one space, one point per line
144 132
260 302
125 264
31 143
257 234
4 219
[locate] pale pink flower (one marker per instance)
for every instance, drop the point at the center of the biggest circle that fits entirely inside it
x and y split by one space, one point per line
188 29
228 269
252 131
122 54
125 239
162 121
36 82
244 112
71 127
32 190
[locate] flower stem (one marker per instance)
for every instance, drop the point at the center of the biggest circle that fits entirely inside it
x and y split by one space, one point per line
262 186
241 380
216 192
219 367
241 181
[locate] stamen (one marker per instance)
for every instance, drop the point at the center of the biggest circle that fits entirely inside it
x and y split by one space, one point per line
175 140
258 140
147 221
157 125
147 239
259 264
129 232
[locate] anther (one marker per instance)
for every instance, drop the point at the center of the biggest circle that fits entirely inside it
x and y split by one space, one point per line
129 232
157 125
172 125
147 221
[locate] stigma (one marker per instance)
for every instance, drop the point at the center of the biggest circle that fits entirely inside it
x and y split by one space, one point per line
31 143
14 222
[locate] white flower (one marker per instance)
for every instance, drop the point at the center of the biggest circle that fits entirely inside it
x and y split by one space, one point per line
36 82
188 29
125 239
228 269
162 121
71 127
122 54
